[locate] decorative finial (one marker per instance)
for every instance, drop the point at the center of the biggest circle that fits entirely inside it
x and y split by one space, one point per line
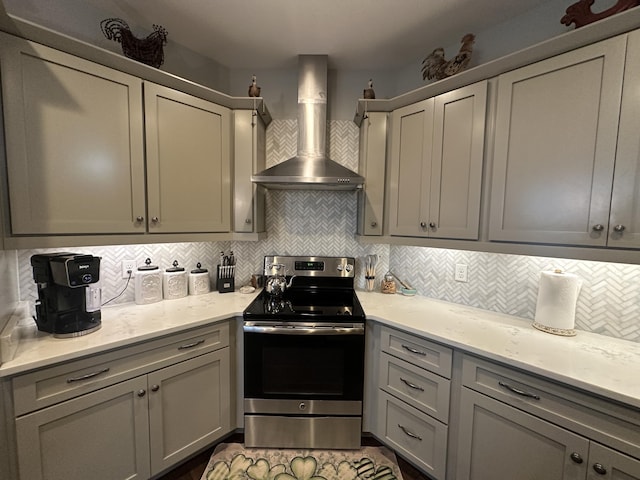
368 92
254 90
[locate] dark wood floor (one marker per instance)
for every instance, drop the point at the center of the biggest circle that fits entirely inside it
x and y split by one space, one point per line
194 468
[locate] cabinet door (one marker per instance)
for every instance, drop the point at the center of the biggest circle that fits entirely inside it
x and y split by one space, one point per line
188 162
101 435
555 144
608 464
624 223
458 152
74 141
249 151
373 145
499 441
189 407
410 169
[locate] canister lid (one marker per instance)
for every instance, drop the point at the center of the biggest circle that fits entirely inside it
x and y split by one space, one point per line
147 266
175 268
199 269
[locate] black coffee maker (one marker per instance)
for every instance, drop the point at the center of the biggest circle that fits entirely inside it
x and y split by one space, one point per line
69 298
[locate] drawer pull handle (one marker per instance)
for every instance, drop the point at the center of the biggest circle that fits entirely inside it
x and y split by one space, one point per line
599 468
87 376
410 434
413 350
518 391
412 385
190 345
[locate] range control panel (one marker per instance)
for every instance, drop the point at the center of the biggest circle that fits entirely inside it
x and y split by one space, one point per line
310 266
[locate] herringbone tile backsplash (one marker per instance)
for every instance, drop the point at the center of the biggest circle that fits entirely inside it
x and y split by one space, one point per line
324 223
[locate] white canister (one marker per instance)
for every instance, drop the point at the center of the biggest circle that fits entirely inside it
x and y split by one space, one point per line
198 280
174 282
148 284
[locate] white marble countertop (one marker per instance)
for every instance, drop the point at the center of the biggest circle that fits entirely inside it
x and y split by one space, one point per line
595 363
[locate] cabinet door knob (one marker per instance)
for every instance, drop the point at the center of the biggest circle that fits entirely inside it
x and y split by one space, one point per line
423 224
599 469
155 388
598 227
374 224
155 219
142 393
139 219
576 457
619 228
432 225
247 220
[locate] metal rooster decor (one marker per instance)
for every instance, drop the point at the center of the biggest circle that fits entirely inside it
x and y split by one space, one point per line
146 50
580 12
436 67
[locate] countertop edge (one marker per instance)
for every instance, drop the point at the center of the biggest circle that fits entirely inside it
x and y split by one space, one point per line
527 367
498 337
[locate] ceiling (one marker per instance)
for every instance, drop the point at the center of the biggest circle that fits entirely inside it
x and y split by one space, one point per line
355 34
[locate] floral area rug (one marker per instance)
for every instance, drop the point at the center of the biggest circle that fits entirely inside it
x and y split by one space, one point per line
231 461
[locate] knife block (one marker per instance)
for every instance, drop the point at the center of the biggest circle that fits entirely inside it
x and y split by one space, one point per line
225 281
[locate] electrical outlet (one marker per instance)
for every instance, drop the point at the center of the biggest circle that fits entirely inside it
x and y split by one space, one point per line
461 273
128 266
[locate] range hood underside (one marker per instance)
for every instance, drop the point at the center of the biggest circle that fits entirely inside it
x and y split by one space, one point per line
303 173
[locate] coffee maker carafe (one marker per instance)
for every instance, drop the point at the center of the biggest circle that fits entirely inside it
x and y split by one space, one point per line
68 302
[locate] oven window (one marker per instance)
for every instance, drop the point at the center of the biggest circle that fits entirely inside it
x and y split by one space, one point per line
316 369
327 367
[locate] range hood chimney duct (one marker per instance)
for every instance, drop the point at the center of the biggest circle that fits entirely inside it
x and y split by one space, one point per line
310 169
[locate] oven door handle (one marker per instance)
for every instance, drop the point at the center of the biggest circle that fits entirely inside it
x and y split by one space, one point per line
305 330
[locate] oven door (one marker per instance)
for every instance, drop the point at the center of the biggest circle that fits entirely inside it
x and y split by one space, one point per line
316 363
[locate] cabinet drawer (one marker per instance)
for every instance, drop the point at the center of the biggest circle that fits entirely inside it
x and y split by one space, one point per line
596 418
424 390
420 438
48 386
423 353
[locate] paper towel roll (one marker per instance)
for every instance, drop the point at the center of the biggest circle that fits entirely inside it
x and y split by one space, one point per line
556 305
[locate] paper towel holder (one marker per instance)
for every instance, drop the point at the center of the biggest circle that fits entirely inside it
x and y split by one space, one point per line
551 326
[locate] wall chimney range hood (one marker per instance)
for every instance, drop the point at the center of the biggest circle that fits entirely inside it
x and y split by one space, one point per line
310 169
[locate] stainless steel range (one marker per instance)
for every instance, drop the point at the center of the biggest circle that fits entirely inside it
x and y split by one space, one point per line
304 356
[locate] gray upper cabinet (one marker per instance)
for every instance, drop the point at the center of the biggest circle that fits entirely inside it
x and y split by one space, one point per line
624 220
372 162
74 143
437 151
250 151
87 154
188 162
555 147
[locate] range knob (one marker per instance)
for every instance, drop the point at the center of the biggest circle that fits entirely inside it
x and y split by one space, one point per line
349 267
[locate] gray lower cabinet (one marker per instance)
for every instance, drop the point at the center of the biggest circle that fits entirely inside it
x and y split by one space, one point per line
137 426
499 441
515 425
101 435
412 398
